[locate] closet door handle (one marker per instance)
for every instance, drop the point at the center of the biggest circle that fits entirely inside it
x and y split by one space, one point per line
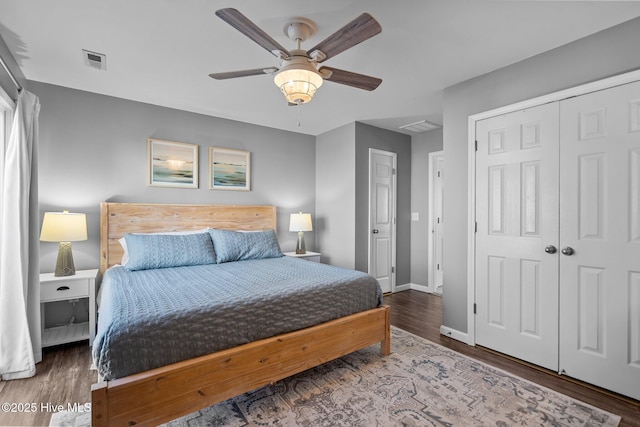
568 251
550 249
375 231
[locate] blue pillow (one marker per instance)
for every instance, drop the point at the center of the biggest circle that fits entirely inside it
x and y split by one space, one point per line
147 251
237 246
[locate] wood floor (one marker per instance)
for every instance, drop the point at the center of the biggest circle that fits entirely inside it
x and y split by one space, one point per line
64 377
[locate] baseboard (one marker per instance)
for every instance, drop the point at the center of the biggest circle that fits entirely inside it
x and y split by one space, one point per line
455 334
413 286
421 288
400 288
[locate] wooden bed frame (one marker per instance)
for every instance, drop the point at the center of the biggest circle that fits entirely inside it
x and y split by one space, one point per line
169 392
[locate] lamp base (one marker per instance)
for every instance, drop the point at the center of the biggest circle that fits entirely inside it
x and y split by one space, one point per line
64 264
300 249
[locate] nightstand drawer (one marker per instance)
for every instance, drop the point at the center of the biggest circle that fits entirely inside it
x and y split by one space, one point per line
64 290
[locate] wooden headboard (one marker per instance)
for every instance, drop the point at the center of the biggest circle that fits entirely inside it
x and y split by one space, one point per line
117 219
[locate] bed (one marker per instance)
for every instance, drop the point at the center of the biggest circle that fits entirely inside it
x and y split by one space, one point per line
150 395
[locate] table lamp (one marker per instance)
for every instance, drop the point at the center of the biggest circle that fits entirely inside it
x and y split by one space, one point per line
300 222
64 227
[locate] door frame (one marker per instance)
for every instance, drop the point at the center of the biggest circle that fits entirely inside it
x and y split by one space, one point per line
470 336
394 204
431 224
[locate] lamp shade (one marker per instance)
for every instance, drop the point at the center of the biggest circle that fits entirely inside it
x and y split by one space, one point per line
63 227
300 222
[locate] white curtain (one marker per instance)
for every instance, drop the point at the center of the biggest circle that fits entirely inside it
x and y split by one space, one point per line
20 340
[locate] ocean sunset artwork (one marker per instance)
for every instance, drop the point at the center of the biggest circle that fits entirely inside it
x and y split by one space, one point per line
230 169
173 164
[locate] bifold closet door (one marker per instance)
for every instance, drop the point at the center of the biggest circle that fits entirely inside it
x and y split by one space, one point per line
600 238
517 175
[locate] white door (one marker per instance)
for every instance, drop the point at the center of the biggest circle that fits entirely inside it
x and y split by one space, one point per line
600 224
382 169
517 219
436 240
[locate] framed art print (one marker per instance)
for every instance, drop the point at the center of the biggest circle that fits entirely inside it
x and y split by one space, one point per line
229 169
172 164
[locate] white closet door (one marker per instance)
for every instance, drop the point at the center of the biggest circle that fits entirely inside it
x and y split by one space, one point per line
382 166
600 222
517 217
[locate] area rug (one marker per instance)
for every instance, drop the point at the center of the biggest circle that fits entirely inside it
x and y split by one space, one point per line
420 384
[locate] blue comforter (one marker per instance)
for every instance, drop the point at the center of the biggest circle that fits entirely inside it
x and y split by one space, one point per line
152 318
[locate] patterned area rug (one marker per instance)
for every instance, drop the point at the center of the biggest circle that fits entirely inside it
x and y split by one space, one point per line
420 384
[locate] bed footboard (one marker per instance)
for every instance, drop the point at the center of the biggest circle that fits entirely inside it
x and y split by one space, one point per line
169 392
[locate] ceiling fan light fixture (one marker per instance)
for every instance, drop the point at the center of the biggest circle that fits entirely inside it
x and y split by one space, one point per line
298 76
298 85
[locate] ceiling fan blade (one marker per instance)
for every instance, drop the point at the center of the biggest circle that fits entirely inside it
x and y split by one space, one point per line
348 78
360 29
241 23
242 73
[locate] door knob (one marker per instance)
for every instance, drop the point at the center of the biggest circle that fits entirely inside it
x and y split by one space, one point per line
375 231
568 251
550 249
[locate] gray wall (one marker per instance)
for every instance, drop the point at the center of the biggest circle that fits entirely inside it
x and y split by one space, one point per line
93 148
342 195
609 52
372 137
335 195
421 146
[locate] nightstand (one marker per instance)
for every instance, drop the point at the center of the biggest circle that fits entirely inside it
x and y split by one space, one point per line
66 288
309 256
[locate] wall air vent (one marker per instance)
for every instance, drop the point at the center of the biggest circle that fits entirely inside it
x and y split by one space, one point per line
94 60
419 127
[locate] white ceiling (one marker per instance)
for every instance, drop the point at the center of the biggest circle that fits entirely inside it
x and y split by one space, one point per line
161 51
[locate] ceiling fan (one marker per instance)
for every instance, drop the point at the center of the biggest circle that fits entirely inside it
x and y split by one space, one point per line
298 75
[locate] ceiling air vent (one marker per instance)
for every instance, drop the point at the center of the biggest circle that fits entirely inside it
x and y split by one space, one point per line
419 127
94 60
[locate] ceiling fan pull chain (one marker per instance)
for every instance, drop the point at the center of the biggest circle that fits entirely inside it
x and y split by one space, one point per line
299 115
